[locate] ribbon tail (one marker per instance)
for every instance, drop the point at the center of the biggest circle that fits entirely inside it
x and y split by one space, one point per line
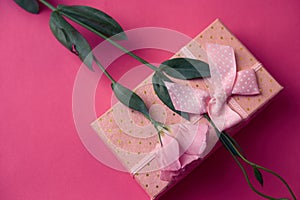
223 118
246 83
222 66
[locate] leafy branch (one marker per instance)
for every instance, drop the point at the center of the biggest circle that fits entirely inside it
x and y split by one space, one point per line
109 29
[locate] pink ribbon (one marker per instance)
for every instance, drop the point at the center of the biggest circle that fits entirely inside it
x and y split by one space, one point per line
224 82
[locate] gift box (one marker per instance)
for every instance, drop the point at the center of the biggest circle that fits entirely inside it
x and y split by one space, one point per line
132 138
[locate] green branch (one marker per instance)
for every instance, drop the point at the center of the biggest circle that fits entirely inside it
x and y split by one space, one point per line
226 141
260 167
103 70
47 4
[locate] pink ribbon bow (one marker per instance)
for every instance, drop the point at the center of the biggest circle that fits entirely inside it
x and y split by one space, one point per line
224 82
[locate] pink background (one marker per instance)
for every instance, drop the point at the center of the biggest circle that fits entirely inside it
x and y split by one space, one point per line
41 155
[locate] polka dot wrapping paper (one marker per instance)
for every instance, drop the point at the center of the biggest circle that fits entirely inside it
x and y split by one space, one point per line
130 136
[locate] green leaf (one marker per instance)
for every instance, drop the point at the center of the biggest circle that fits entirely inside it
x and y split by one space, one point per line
258 176
130 99
95 19
31 6
67 35
163 94
185 68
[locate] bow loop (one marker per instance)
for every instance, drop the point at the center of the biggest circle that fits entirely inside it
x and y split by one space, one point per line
187 99
222 67
246 83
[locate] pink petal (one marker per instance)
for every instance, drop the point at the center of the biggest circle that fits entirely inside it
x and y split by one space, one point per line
199 143
166 175
168 155
222 66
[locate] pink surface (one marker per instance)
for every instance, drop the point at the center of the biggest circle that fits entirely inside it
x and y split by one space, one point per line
41 156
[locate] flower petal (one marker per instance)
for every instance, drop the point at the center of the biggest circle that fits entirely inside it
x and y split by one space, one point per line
168 155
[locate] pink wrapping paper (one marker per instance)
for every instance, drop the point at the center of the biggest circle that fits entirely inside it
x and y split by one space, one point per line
132 138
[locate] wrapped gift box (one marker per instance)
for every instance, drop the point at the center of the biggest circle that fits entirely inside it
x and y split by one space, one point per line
132 138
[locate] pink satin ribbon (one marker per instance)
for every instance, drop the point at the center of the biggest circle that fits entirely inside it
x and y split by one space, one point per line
224 82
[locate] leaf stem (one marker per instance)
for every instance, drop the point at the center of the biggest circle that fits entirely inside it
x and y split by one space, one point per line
247 178
46 3
103 70
159 133
226 142
260 167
